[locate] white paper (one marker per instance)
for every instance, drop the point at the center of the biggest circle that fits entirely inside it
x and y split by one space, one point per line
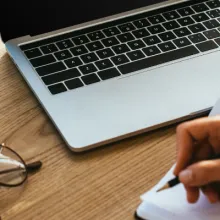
172 204
216 109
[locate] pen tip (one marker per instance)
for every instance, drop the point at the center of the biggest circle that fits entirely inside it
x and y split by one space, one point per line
163 188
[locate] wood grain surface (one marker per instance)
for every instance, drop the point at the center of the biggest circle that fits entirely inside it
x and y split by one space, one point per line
102 184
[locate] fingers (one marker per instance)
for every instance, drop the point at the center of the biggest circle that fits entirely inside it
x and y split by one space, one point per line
197 140
211 193
192 194
201 173
190 132
185 143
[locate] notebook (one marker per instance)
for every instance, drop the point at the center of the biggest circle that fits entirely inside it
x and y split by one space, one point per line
172 204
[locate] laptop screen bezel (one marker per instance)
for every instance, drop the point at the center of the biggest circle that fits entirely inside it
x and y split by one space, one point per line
9 33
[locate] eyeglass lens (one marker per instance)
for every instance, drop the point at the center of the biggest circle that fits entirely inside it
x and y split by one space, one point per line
12 168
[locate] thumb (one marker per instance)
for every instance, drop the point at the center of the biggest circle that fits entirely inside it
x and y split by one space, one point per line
201 173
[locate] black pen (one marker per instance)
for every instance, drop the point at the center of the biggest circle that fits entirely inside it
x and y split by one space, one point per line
175 181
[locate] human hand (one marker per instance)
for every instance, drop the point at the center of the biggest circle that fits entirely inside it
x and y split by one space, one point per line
197 141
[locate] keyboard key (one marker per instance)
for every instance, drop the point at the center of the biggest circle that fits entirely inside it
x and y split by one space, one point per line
76 51
186 21
137 44
182 32
52 68
73 62
214 13
197 38
33 53
167 46
96 35
200 7
62 55
125 37
104 64
126 27
157 19
156 29
150 51
51 48
141 33
200 17
171 15
151 40
206 46
158 59
217 40
213 4
211 34
74 83
61 76
90 79
141 23
211 24
197 28
105 53
80 40
186 11
89 68
96 45
58 88
167 36
40 61
182 42
139 29
88 58
111 41
120 59
111 31
64 44
123 48
171 25
135 55
109 73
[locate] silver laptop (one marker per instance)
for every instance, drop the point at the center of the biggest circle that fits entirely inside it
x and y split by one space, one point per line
107 70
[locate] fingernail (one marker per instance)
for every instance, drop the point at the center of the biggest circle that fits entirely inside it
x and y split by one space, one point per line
186 176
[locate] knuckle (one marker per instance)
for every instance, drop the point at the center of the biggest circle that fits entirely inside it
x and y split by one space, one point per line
181 127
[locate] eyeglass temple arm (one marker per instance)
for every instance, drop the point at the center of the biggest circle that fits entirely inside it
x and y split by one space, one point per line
31 167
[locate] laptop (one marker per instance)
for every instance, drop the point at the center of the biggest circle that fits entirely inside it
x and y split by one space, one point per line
107 70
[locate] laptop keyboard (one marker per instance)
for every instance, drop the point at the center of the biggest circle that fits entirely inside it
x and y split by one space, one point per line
103 52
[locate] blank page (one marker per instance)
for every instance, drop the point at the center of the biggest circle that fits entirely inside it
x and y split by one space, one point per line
172 204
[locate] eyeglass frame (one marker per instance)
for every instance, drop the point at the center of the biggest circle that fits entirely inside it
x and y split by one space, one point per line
28 167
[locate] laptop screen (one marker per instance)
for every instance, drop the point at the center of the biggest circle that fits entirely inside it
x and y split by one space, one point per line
26 17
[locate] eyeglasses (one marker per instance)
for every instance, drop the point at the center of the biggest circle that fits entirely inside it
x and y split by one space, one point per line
13 170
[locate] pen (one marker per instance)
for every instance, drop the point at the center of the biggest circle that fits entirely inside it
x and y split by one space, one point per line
175 181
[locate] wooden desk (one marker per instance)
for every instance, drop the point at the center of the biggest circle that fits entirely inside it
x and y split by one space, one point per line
103 184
